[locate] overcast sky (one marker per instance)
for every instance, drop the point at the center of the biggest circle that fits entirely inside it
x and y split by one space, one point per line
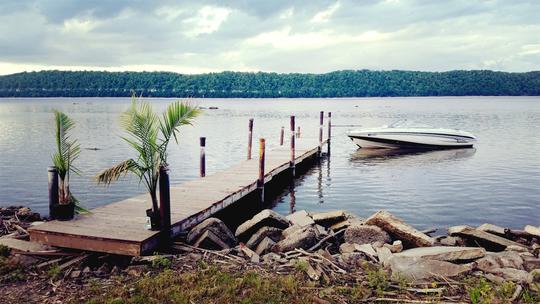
270 35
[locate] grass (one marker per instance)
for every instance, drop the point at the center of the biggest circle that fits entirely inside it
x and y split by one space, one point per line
10 270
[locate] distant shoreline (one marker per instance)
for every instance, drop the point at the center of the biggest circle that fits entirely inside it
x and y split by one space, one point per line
339 84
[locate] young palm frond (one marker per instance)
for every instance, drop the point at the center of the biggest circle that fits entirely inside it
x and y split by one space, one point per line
149 136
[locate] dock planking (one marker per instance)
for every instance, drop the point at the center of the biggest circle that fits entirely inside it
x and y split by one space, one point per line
119 228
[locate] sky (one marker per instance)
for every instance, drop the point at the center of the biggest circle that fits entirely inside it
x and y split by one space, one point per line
315 36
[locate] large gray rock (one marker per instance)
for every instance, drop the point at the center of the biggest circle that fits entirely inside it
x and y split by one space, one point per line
266 217
493 229
532 230
300 218
415 268
515 275
329 218
365 234
531 263
209 240
400 230
443 253
265 246
487 240
496 260
265 232
218 228
304 238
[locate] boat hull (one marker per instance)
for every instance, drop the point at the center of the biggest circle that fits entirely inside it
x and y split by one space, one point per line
411 141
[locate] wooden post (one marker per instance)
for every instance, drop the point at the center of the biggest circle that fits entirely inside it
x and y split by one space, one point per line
292 162
321 117
202 171
164 204
281 136
250 137
260 181
53 190
329 131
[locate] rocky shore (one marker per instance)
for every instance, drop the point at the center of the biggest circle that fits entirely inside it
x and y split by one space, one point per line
331 257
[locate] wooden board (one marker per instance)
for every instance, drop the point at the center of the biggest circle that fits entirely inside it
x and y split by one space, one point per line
119 227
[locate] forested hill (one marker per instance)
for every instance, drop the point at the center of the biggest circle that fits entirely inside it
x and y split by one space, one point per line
239 84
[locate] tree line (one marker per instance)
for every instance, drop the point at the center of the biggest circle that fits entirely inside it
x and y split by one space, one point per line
360 83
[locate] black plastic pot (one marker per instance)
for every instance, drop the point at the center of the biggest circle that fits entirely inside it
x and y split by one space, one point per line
154 219
63 212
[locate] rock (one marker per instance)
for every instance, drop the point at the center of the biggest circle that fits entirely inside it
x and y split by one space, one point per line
24 260
532 230
25 246
86 270
265 232
252 255
457 229
303 238
443 253
327 219
515 275
452 241
300 218
493 278
487 240
290 231
384 254
266 217
396 246
347 248
115 270
365 234
135 270
321 231
103 270
75 274
493 229
415 268
217 227
516 248
494 261
271 258
353 258
265 246
530 263
399 230
366 248
516 294
209 240
340 225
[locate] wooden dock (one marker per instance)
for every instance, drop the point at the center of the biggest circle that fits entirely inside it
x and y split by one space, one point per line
119 228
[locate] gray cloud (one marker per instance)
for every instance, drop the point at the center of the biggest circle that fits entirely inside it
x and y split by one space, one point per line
281 36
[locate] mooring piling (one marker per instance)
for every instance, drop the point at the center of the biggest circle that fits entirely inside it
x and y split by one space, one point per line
202 170
250 137
53 189
164 204
292 164
329 131
260 180
321 117
281 136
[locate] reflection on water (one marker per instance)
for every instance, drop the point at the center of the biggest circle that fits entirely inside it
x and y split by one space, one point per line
497 182
411 156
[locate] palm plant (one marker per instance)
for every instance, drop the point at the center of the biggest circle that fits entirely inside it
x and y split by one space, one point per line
68 151
149 136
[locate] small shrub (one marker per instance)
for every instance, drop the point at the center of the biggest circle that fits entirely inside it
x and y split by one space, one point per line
301 265
161 263
54 272
480 291
378 280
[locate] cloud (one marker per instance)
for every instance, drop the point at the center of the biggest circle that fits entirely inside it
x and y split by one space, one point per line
281 36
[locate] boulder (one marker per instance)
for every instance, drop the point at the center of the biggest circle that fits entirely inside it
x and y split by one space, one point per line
264 246
397 246
531 263
452 241
304 238
209 240
487 240
266 217
496 260
328 219
399 230
265 232
384 254
290 231
516 248
443 253
415 268
365 234
493 229
300 218
367 249
514 275
532 230
347 248
217 227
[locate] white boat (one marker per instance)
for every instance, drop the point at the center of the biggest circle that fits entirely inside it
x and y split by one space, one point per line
411 137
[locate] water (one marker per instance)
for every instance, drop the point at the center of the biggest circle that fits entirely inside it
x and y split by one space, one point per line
497 182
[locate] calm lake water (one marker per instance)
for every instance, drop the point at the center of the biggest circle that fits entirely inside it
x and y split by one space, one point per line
497 182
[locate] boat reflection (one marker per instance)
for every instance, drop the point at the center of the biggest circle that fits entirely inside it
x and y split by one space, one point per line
374 156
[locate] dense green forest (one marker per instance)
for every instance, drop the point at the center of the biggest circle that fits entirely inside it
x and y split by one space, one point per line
240 84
